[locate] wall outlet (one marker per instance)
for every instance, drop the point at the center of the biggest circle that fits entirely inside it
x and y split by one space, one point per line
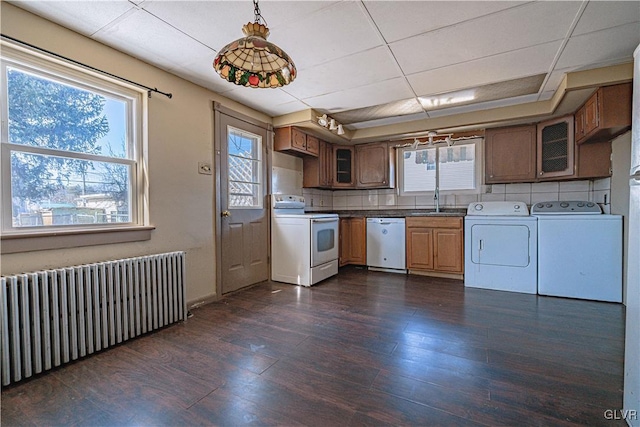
205 168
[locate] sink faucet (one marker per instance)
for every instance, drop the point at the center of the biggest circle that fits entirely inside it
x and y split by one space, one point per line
436 197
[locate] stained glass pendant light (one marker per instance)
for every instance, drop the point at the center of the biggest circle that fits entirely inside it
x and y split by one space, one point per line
253 61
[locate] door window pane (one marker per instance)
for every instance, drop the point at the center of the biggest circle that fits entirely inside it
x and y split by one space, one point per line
244 161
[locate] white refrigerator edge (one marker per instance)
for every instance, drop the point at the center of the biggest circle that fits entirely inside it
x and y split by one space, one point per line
631 405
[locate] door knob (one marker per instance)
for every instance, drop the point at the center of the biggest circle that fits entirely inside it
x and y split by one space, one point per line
225 214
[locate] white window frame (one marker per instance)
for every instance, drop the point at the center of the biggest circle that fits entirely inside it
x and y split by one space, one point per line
46 66
479 167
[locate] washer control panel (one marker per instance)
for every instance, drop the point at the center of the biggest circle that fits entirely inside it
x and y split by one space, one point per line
566 208
498 209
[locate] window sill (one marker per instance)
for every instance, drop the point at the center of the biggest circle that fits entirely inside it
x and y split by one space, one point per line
65 239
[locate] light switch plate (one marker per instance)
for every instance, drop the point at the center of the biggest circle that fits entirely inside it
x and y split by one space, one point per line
205 168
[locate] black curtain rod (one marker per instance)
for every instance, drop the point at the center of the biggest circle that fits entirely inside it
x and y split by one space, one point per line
149 89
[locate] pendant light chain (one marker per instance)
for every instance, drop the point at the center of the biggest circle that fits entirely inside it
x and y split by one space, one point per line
257 15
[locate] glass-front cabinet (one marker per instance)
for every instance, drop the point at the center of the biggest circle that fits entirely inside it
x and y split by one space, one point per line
343 162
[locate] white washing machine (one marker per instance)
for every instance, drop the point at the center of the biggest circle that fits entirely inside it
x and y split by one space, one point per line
579 251
500 247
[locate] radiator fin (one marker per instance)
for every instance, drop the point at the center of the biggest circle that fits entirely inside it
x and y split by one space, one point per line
49 318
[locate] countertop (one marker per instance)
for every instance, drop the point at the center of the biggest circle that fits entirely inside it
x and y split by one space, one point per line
397 213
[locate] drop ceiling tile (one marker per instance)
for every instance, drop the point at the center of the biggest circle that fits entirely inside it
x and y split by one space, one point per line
506 66
196 19
83 17
359 69
416 17
328 34
260 99
289 107
600 15
511 29
363 96
614 44
200 71
156 42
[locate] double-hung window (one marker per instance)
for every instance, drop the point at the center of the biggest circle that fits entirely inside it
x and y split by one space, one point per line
453 169
71 147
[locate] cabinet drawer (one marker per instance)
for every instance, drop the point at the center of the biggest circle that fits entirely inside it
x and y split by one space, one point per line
434 222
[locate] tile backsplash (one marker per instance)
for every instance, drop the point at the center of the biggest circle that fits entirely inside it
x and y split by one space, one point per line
598 190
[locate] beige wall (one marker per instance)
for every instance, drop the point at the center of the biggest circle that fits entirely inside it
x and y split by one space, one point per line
180 135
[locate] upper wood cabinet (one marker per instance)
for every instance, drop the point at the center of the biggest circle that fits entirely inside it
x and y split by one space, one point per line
593 160
605 115
555 148
510 154
317 170
295 141
343 167
375 165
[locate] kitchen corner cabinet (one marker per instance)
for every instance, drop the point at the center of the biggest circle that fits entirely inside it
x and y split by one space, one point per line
555 148
605 115
343 167
374 165
593 160
510 154
435 246
353 241
294 141
317 171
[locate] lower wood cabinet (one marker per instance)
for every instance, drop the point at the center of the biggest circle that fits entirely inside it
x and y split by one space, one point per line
353 241
435 246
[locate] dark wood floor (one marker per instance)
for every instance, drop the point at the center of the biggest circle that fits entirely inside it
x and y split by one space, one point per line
362 348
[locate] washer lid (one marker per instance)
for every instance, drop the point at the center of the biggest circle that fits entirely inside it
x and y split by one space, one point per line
566 208
498 209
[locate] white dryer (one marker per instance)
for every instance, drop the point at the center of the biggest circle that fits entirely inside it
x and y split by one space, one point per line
500 246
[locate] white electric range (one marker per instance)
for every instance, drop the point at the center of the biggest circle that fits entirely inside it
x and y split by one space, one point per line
304 246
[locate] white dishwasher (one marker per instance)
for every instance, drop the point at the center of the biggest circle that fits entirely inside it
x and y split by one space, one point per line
386 244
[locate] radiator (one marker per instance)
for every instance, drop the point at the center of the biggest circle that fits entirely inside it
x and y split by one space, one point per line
49 318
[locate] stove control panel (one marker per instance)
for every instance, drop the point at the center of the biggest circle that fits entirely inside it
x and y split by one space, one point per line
566 208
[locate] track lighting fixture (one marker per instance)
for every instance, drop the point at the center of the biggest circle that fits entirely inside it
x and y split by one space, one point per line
433 138
327 122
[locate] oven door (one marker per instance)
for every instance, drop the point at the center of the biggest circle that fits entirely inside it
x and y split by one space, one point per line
324 240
